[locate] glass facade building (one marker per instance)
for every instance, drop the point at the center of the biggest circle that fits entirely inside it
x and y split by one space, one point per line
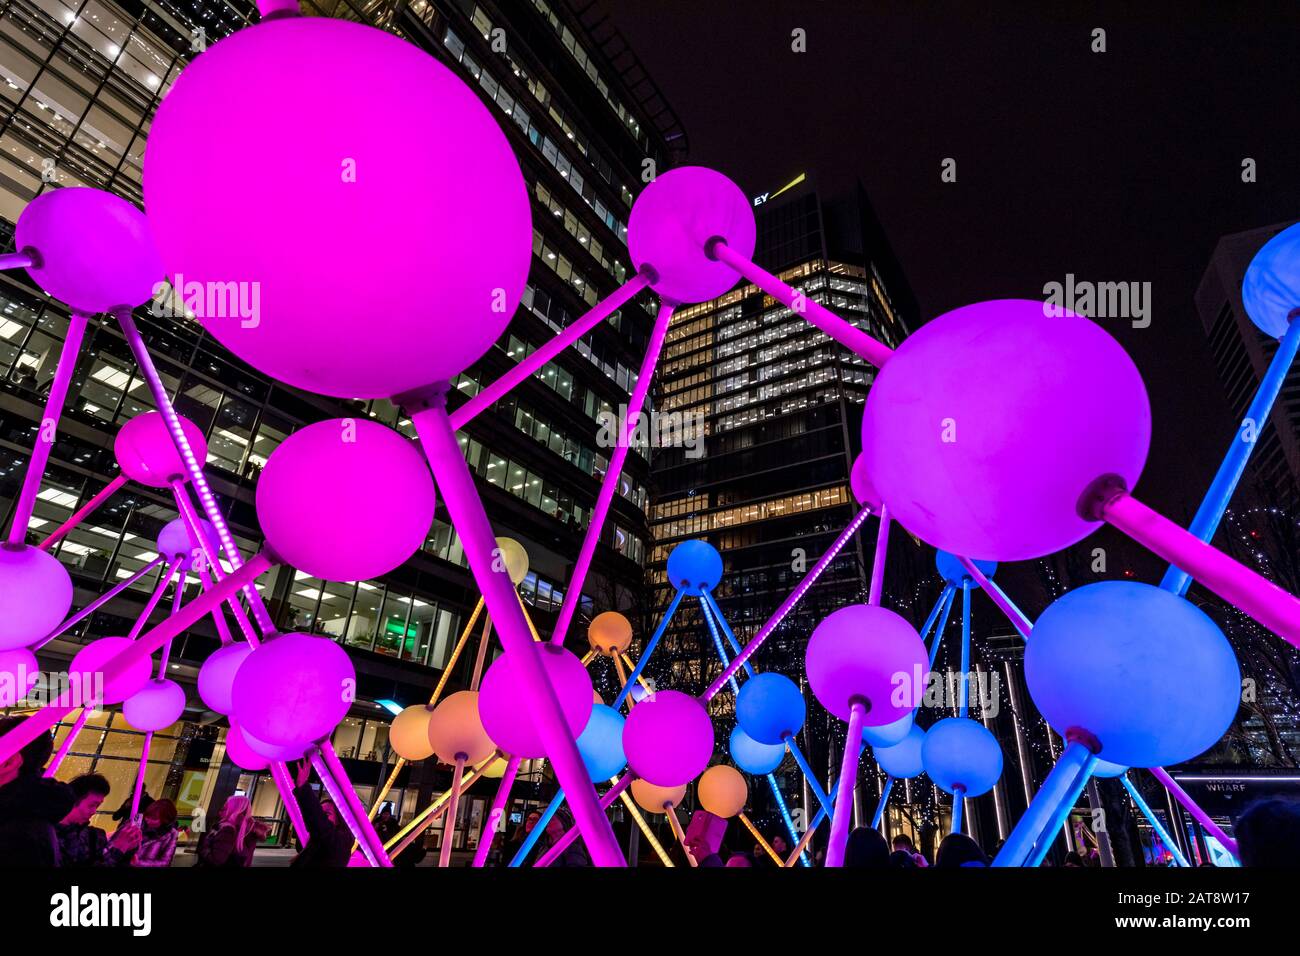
82 80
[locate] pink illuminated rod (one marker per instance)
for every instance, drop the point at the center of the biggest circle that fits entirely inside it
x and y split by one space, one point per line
42 720
449 821
100 601
1197 813
998 597
843 817
572 833
16 260
787 605
843 332
49 420
284 784
192 465
467 516
498 810
83 512
609 484
53 767
534 362
330 770
878 560
199 534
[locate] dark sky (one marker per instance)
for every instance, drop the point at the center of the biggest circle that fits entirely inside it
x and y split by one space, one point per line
1115 166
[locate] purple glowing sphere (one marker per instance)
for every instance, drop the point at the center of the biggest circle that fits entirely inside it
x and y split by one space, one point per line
863 489
1270 290
668 739
868 652
146 453
217 676
240 753
35 595
174 541
673 220
960 754
279 753
345 499
88 668
18 672
294 689
502 695
903 759
988 425
94 250
158 704
426 222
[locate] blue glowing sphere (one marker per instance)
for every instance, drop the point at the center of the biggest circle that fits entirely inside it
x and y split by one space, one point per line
694 567
954 573
770 706
887 735
601 743
959 753
903 760
1105 769
751 756
1144 671
1271 290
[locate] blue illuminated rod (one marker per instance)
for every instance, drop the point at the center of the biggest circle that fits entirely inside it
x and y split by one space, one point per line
1047 813
536 833
649 649
1161 832
880 807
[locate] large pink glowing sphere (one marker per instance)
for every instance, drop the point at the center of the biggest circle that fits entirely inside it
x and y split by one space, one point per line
94 250
18 672
242 755
456 729
158 704
89 664
373 257
217 676
276 752
867 652
175 542
146 453
35 595
294 689
668 738
345 499
987 426
863 489
507 717
672 222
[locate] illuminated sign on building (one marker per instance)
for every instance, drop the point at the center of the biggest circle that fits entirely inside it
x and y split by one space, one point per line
759 200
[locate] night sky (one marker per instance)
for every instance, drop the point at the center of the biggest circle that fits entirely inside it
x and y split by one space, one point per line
1116 166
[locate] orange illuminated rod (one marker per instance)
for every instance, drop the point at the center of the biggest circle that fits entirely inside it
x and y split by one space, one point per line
662 800
645 827
767 847
803 842
421 821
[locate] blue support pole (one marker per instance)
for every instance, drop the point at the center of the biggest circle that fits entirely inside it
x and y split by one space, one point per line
717 640
958 805
649 649
785 815
1161 832
963 692
880 807
1036 829
536 834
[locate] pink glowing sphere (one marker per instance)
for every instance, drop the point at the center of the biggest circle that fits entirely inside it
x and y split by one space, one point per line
217 676
146 453
240 753
870 653
90 662
174 541
860 482
279 753
94 250
158 704
425 222
456 729
294 689
672 222
668 739
508 718
35 595
18 672
345 499
986 427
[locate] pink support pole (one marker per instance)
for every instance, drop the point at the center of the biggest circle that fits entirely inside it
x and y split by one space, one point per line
192 464
999 598
40 722
530 364
471 523
847 334
1238 585
1197 813
843 817
571 834
449 821
284 784
353 812
787 605
53 412
152 603
139 775
83 512
878 559
199 533
498 810
16 260
99 602
53 767
609 484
